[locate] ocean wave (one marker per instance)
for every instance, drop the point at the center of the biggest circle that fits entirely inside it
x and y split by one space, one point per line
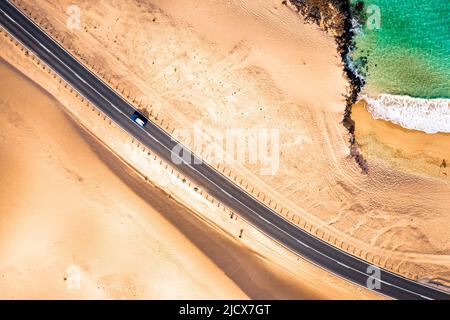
427 115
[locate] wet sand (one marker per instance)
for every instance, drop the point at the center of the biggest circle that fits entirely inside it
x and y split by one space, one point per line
410 150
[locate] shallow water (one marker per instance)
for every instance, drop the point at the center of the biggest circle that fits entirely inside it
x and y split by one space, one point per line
407 47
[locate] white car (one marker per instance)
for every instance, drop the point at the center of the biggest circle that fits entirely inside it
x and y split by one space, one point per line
139 119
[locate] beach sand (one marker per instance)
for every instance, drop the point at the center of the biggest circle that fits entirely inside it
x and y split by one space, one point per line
409 150
246 64
63 210
71 210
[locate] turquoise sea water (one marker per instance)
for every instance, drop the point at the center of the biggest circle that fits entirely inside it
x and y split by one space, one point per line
409 54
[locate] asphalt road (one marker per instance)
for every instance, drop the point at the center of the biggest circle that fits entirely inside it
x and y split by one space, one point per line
216 184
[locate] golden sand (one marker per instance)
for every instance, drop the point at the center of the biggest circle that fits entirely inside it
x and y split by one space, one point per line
76 222
241 63
64 212
410 150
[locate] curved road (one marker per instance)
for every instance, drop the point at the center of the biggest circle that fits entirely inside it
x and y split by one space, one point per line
216 184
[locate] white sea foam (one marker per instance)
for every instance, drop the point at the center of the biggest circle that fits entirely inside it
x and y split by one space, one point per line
428 115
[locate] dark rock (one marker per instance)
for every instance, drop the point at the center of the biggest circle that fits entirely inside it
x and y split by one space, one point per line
337 15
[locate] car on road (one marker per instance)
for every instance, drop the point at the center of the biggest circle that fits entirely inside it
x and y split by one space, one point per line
139 119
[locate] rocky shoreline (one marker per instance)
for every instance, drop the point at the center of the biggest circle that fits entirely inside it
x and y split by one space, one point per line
335 16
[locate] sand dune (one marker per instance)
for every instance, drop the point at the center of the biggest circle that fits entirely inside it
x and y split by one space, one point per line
62 206
69 207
